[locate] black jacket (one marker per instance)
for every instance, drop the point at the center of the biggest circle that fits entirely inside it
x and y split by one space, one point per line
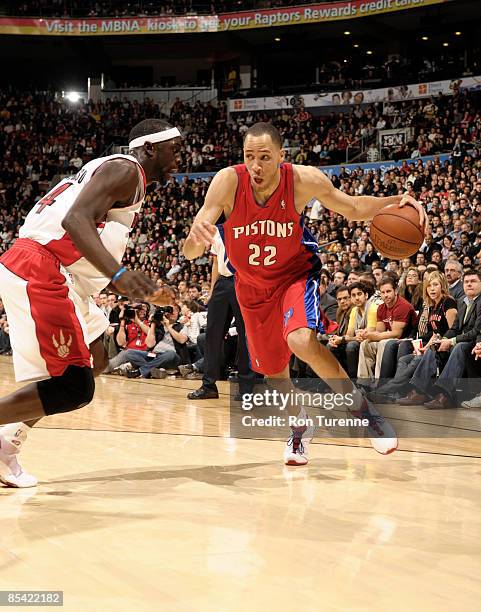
466 331
329 306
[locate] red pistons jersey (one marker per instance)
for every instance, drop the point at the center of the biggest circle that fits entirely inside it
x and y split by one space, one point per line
268 244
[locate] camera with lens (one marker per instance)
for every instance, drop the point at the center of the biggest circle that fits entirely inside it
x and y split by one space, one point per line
160 313
131 310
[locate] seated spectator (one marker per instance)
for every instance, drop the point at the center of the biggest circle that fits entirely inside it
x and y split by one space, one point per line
457 342
342 319
343 309
195 295
454 271
327 302
363 315
352 277
411 288
194 321
166 342
131 336
473 371
369 256
436 318
339 279
395 319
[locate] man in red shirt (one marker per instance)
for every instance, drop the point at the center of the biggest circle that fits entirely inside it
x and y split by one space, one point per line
395 319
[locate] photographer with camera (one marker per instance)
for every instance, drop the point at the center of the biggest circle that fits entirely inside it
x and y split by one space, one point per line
131 336
166 345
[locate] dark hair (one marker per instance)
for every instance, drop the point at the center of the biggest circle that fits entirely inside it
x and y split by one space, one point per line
342 288
326 272
471 272
393 275
368 277
196 286
261 128
148 126
193 306
364 287
388 280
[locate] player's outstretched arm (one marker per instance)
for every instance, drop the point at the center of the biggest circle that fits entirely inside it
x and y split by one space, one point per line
114 183
313 183
220 196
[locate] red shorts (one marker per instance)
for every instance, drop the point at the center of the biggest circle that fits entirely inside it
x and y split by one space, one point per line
51 325
270 315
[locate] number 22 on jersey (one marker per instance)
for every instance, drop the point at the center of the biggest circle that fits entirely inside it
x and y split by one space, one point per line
265 256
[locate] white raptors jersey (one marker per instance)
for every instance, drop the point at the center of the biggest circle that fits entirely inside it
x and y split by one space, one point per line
44 225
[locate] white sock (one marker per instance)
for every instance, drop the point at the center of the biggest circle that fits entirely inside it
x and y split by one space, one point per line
13 436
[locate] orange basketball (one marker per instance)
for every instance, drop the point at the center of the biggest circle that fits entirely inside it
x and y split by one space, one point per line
395 232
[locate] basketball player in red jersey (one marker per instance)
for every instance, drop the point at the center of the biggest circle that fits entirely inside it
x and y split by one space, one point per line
70 246
276 264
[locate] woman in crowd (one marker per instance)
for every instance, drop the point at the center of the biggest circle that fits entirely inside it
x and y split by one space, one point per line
411 288
437 317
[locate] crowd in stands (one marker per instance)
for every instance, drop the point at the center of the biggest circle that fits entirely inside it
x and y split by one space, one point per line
376 307
140 8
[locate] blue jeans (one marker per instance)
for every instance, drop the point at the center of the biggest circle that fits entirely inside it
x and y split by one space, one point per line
453 370
139 359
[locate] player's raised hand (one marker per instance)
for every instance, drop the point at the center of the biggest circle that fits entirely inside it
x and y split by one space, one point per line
203 232
164 296
134 285
407 199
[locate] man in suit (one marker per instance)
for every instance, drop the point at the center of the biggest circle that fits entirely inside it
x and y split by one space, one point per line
454 271
458 342
222 306
327 302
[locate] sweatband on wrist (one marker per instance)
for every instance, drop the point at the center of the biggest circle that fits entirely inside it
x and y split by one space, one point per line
118 274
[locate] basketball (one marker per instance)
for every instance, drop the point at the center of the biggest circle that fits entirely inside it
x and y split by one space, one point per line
395 232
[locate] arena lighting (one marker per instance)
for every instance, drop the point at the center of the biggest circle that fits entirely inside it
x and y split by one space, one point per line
424 37
445 44
347 32
72 96
277 39
369 52
356 46
457 33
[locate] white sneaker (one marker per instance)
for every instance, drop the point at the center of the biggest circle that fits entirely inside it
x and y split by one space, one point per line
297 449
12 473
472 403
380 432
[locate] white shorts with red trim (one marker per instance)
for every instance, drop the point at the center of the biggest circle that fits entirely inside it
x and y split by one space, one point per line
50 324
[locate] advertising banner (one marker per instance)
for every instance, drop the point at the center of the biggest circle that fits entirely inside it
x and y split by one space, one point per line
383 166
224 22
393 138
350 97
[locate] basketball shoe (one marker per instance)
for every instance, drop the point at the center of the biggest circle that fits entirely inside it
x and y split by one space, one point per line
379 431
296 451
12 474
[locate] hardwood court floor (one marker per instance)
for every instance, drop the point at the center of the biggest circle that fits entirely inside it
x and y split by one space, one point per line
146 504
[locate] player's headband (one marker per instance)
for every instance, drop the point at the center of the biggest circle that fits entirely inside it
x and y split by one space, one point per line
153 138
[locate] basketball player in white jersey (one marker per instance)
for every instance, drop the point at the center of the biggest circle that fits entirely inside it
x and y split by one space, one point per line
71 246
